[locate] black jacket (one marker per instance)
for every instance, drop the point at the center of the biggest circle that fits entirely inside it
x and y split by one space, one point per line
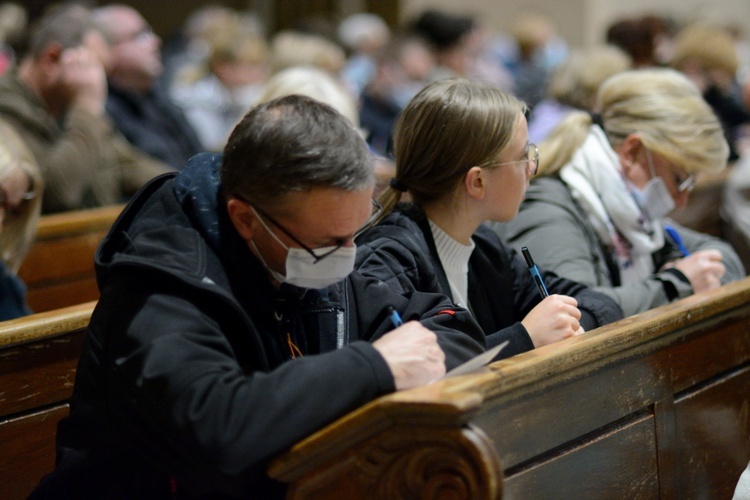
185 383
154 125
401 252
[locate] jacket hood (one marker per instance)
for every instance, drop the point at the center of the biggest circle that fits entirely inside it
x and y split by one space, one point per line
175 224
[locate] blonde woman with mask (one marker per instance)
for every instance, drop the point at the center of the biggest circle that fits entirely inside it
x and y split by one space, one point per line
462 154
598 212
20 205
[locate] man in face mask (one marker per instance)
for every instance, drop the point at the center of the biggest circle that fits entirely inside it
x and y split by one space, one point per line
230 325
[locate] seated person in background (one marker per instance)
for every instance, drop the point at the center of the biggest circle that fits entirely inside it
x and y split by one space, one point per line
735 208
708 56
462 154
216 94
403 69
230 325
597 213
573 86
138 107
364 35
540 51
55 101
291 48
311 82
21 196
322 86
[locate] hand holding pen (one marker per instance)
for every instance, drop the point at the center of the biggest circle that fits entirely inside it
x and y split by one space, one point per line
676 240
411 352
703 268
555 318
534 272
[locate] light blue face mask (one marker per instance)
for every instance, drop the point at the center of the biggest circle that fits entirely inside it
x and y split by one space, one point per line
654 199
304 271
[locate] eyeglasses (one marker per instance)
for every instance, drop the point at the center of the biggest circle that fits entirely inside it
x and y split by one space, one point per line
140 37
530 157
376 210
685 185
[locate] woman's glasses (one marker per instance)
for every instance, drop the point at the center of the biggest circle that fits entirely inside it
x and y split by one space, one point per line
530 157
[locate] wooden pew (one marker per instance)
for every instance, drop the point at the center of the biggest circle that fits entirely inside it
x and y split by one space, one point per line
59 268
654 406
38 358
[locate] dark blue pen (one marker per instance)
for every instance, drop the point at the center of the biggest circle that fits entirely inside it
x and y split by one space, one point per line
675 237
535 273
396 318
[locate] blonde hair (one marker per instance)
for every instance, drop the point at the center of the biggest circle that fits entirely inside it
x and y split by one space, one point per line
19 228
449 127
291 48
662 106
711 48
312 82
576 82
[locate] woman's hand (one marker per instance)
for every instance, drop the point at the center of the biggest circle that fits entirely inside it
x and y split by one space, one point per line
555 318
704 269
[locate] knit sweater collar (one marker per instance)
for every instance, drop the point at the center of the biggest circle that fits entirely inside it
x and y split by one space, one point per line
454 257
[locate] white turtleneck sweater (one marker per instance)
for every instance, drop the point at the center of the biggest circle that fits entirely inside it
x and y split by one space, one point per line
455 260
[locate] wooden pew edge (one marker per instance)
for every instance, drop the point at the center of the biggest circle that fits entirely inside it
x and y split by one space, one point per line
533 367
79 221
458 397
50 323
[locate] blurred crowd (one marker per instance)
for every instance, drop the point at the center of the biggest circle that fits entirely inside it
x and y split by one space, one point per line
223 61
152 102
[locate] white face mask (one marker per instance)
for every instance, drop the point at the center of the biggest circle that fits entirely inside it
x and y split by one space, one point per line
654 198
304 272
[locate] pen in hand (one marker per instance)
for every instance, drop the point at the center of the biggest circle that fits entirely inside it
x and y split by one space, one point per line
675 237
534 272
395 318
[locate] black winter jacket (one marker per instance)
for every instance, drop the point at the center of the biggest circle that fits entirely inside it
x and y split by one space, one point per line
401 252
185 387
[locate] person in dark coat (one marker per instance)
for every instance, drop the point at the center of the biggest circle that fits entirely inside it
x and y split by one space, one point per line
462 154
138 106
230 325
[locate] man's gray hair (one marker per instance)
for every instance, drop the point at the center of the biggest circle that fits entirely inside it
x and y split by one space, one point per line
294 143
65 24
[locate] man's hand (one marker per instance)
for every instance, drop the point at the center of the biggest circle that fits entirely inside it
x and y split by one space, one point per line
412 354
555 318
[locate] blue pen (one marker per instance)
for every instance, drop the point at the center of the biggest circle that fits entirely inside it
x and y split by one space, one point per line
675 237
535 273
396 318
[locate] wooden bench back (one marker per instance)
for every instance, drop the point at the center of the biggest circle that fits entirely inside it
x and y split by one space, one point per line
38 359
59 268
654 406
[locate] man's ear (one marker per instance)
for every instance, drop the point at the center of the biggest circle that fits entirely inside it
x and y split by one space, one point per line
243 217
474 183
51 54
628 151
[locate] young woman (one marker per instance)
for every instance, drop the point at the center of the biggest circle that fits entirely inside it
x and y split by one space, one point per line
462 154
597 213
